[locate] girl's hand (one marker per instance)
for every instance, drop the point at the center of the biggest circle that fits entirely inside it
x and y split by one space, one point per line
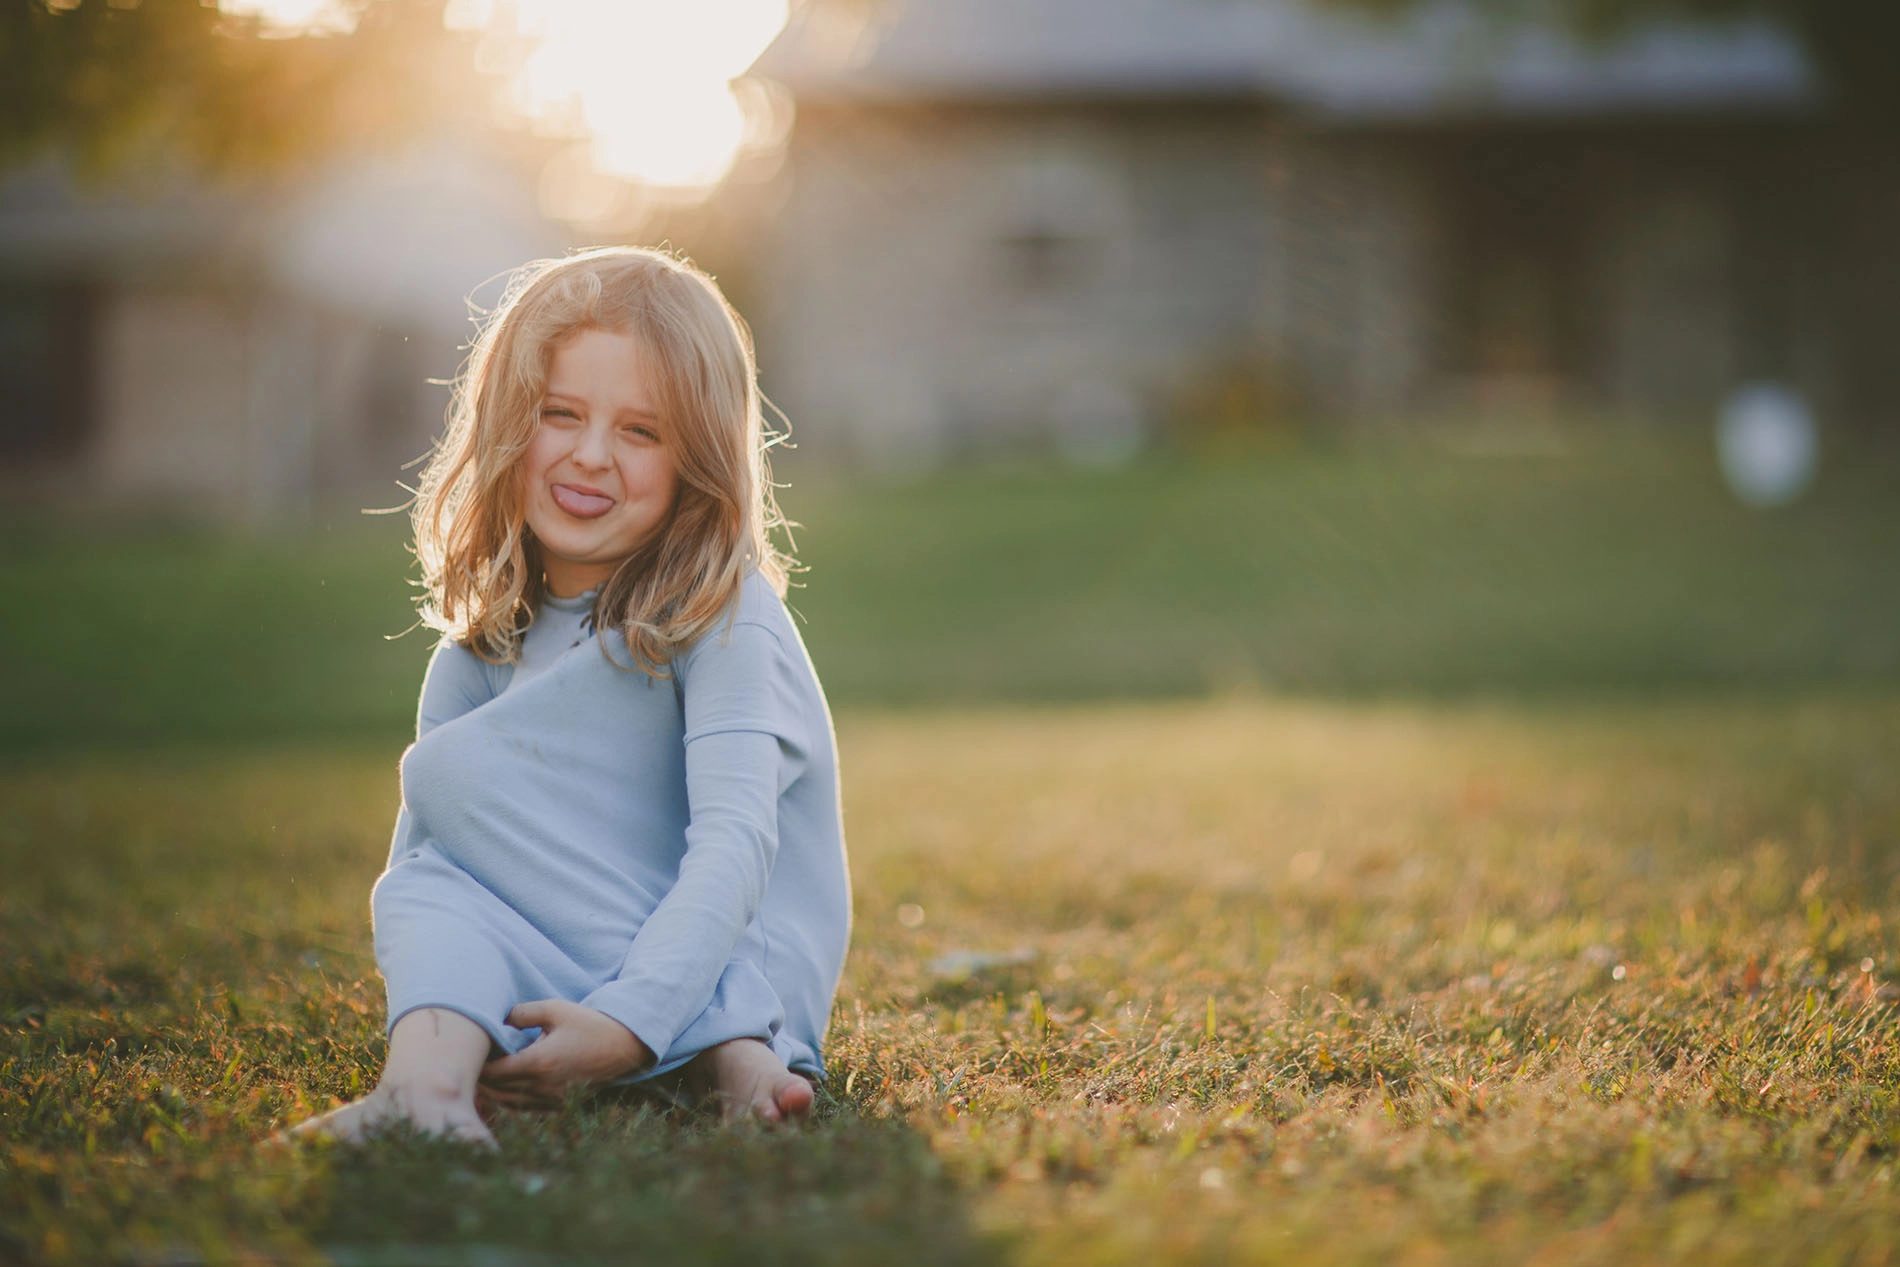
579 1048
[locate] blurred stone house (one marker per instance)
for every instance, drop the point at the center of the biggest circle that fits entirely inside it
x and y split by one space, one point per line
250 352
1063 221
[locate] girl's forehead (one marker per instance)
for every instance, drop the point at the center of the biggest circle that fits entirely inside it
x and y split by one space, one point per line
594 349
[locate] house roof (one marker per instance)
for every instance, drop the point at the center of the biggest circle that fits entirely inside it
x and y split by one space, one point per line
398 237
1439 58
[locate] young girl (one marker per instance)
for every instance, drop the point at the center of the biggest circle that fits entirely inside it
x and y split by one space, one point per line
620 851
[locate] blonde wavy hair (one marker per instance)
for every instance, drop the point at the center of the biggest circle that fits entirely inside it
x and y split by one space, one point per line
481 568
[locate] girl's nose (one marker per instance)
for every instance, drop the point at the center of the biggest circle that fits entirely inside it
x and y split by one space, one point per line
593 447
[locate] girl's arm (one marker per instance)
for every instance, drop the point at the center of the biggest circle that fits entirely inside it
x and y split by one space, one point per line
456 682
744 747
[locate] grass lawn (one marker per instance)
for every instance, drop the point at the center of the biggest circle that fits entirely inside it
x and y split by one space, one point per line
1615 567
1391 857
1281 981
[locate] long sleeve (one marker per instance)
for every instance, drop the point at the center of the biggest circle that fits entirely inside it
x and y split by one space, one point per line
455 683
744 748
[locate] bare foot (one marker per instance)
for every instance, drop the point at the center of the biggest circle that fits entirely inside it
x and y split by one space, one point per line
745 1076
431 1111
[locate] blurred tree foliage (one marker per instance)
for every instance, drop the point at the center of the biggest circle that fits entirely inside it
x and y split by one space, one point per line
111 83
1852 42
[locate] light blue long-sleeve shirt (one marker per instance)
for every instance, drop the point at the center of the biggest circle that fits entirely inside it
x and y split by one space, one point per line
669 852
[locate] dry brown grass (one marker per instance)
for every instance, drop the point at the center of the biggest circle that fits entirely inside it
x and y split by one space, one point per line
1248 979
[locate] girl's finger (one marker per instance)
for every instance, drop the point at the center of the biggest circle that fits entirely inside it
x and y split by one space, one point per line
519 1081
500 1070
512 1069
537 1015
515 1081
535 1097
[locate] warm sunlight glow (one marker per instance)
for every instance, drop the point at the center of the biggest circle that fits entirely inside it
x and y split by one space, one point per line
295 17
647 84
648 81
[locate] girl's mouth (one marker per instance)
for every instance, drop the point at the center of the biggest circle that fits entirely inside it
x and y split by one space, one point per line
580 503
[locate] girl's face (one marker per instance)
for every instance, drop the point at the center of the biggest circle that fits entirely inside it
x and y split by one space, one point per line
601 473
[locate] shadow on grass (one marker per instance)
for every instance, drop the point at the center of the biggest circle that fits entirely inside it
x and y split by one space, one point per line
625 1179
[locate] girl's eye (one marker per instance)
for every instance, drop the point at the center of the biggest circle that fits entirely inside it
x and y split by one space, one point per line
559 411
640 432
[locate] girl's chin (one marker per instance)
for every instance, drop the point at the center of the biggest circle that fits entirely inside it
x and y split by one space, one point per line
584 543
572 535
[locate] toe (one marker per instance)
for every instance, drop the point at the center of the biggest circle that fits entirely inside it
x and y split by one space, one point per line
478 1135
794 1097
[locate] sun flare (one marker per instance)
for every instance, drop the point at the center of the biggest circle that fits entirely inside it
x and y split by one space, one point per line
649 79
647 84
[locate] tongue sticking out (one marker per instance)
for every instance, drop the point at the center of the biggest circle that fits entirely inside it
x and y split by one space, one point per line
575 502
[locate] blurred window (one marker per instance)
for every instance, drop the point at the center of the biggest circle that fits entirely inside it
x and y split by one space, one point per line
1042 257
46 378
1058 204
